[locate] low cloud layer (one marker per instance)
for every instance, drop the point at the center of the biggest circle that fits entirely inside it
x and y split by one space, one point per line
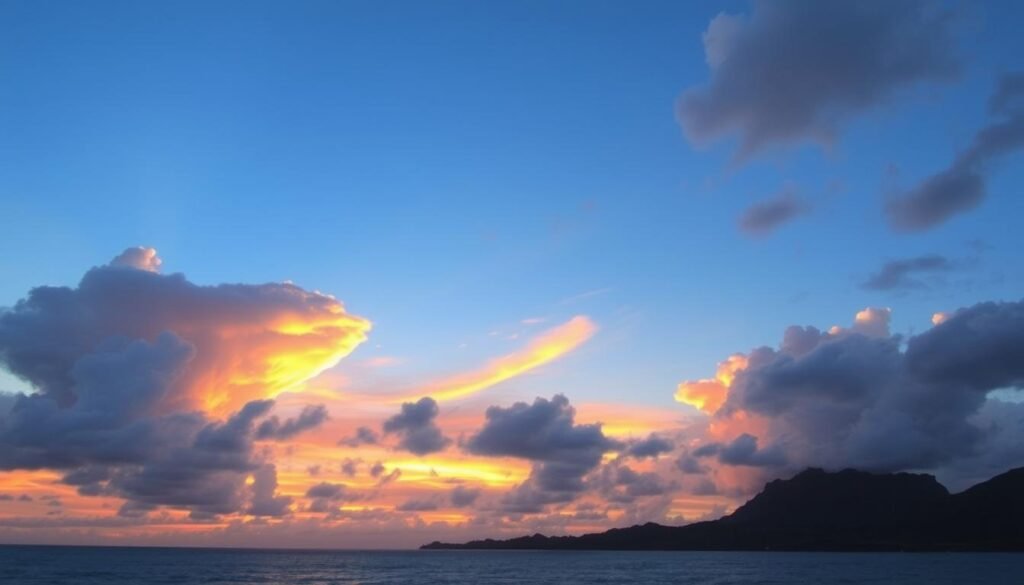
962 186
792 70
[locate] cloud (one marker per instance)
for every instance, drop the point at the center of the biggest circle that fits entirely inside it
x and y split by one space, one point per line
415 425
621 484
961 186
417 505
763 218
362 436
547 347
901 274
544 433
249 341
265 501
651 447
326 496
743 450
793 70
138 258
310 418
154 390
463 496
854 397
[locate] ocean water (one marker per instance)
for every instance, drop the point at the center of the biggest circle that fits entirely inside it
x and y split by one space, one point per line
136 566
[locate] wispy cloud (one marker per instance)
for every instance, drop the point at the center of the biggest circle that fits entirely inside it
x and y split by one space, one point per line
547 347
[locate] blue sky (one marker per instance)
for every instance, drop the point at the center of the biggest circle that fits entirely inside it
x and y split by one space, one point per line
450 169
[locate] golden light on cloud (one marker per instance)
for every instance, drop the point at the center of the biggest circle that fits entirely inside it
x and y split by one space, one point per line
263 358
940 318
709 394
547 347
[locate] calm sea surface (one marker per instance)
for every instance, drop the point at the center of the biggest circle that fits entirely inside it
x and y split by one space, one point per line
87 566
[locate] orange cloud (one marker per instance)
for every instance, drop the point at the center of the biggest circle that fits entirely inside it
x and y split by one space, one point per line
549 346
709 394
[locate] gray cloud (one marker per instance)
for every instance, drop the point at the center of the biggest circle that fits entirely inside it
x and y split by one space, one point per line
653 446
545 433
905 273
325 496
743 450
463 496
362 436
765 217
310 418
415 425
795 70
114 364
961 187
417 505
855 398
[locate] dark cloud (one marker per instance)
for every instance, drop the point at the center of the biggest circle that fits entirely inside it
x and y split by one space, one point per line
414 505
463 496
362 436
265 501
310 418
122 367
349 466
743 450
855 398
962 186
545 433
763 218
621 484
904 274
653 446
415 425
377 469
795 70
325 496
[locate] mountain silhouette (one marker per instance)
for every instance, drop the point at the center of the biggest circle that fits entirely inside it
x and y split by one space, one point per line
819 510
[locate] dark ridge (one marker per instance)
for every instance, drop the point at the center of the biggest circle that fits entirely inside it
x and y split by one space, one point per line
818 510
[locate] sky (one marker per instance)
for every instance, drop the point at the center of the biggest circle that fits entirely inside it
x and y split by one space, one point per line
371 274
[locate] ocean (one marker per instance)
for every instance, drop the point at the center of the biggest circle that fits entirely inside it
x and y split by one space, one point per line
137 566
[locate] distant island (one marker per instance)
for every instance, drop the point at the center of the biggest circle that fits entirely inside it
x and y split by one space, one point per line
821 511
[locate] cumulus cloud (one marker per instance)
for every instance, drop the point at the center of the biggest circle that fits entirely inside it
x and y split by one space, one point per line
153 389
862 397
415 425
310 418
138 258
653 446
464 496
249 341
796 70
743 450
906 273
362 436
961 186
763 218
325 496
544 433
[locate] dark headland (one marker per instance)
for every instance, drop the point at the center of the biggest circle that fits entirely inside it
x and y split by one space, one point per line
822 511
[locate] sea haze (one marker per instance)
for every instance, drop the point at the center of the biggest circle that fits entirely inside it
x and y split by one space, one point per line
89 565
